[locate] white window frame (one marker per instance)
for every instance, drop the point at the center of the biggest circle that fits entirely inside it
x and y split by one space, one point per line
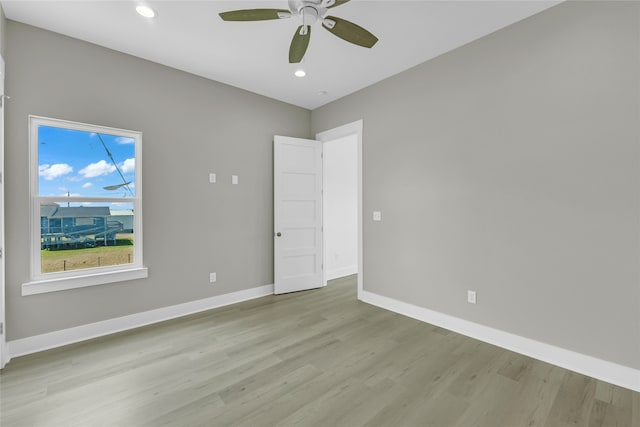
58 281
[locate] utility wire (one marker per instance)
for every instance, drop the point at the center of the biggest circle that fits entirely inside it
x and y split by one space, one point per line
124 181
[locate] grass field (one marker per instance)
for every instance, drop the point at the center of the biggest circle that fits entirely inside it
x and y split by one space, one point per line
76 259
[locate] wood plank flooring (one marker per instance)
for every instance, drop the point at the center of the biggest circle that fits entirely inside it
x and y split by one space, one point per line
315 358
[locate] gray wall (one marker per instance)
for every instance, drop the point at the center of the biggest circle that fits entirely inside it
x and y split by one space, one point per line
3 26
192 126
511 166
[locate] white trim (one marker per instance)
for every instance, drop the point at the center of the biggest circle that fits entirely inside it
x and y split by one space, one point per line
4 355
613 373
55 339
354 128
100 278
342 272
49 282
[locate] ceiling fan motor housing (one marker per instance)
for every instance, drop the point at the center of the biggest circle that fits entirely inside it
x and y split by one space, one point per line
309 15
314 9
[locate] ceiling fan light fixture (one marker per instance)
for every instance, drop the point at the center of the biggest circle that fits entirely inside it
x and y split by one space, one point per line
146 11
300 73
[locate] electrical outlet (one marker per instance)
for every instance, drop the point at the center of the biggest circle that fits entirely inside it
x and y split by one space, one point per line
234 179
377 216
212 277
471 297
212 178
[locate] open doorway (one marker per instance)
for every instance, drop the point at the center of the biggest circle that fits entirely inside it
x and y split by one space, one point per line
340 207
299 257
342 202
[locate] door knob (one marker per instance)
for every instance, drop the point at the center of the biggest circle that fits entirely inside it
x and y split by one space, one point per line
278 234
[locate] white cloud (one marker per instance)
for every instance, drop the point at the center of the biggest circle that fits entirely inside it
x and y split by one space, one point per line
97 169
125 140
87 185
50 172
128 165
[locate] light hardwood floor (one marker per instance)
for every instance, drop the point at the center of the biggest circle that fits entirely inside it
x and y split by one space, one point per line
316 358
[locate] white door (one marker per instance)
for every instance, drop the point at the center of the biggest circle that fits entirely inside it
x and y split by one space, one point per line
297 204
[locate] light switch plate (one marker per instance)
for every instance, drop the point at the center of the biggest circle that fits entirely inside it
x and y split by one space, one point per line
212 178
377 216
471 297
234 179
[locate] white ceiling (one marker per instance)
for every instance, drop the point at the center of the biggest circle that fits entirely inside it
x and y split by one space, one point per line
190 36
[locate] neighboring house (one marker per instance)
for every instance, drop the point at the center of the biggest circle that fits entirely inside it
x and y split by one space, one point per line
76 227
124 216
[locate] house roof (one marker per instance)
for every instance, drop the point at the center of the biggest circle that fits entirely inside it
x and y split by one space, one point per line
48 210
79 211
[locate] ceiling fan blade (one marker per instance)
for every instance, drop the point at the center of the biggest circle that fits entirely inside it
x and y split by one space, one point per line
338 3
255 14
299 45
117 186
349 31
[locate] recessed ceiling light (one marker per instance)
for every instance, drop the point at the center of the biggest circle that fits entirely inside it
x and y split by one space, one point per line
300 73
146 11
322 92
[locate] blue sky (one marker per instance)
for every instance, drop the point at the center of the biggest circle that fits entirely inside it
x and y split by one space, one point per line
76 162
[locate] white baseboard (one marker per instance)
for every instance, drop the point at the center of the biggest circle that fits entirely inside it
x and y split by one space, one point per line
341 272
597 368
34 344
613 373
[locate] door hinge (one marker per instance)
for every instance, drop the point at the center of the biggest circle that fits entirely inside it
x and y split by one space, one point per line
321 266
0 252
1 328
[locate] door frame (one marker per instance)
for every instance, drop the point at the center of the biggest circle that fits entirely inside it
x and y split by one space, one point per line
4 357
350 129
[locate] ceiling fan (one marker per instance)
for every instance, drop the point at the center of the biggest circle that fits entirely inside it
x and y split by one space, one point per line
310 11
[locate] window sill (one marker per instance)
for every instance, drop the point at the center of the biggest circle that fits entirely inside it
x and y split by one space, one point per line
61 284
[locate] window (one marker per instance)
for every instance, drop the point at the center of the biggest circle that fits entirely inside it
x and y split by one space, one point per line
86 214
